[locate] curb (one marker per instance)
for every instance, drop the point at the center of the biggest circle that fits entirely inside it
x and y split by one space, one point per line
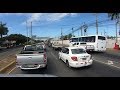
6 67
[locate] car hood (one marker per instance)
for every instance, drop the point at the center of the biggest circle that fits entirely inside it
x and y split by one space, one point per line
27 75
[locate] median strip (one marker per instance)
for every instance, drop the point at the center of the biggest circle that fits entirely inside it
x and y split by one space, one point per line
5 64
6 67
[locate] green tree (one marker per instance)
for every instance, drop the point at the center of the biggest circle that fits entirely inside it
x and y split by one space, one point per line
3 29
19 38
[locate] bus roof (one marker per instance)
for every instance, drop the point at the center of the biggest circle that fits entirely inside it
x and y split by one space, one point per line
87 36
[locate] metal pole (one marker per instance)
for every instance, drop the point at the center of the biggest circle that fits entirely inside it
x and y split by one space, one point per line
31 32
96 24
81 31
62 36
116 32
72 32
27 32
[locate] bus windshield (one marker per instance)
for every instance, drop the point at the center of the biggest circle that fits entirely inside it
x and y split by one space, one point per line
101 38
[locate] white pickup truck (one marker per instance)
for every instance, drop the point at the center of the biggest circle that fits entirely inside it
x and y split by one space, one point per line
31 57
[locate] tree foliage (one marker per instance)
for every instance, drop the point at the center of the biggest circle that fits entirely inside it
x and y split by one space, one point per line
3 29
66 37
19 38
113 16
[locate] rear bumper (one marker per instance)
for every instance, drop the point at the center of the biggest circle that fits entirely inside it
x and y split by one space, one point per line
81 64
28 68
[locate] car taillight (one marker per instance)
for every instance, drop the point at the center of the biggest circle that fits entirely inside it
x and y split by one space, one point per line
74 58
45 56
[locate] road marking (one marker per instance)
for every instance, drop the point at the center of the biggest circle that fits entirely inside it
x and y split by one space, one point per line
7 66
54 55
11 70
107 64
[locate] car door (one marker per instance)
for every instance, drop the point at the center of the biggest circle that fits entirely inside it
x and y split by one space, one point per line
65 54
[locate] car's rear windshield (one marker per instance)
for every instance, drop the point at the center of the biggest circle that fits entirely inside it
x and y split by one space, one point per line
34 48
78 51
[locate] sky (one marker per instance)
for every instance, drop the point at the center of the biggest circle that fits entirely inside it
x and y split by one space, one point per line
50 24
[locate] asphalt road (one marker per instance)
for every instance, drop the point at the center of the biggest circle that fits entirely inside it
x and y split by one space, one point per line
58 67
7 52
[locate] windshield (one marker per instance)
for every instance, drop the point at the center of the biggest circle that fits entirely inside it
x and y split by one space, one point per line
74 39
78 51
101 38
34 48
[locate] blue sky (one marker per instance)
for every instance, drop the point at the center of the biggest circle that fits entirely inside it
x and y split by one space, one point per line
50 24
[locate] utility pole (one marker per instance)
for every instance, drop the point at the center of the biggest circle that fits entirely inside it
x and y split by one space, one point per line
62 36
96 24
72 32
104 32
116 31
31 32
81 31
27 31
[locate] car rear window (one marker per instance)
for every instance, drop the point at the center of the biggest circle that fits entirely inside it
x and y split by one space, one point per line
34 48
78 51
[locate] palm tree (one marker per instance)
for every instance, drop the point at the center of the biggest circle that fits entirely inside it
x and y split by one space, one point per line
114 16
3 29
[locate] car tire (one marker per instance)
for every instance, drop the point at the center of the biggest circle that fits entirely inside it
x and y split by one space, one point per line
23 70
67 64
45 67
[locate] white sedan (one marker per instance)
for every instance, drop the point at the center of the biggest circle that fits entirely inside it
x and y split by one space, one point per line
75 57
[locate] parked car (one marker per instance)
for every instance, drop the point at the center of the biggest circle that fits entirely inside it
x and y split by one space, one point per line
75 57
31 57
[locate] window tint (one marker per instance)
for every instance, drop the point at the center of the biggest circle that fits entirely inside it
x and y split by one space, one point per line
88 39
78 51
34 48
74 39
101 38
65 50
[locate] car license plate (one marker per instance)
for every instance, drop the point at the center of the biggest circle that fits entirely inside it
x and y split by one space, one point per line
83 58
28 65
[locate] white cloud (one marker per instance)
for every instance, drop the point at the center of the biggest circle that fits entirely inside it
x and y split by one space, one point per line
47 17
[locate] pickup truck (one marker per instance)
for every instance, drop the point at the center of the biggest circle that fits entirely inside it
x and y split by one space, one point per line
31 57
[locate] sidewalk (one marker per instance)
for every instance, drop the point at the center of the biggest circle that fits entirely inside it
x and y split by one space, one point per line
113 52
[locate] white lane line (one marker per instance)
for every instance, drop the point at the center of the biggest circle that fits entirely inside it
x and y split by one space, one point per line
54 55
107 64
11 70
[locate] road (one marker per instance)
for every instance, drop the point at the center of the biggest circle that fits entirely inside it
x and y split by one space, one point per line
7 52
58 67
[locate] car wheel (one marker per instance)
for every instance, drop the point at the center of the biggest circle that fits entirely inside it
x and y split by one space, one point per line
67 63
23 69
45 67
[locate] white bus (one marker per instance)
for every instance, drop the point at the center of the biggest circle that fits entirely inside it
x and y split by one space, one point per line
91 42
